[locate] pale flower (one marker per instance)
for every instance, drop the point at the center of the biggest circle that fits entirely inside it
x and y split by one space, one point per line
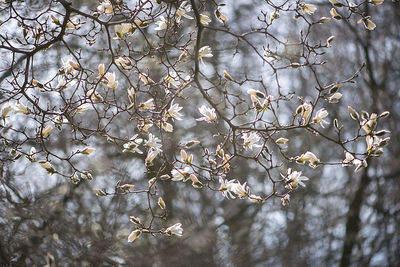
106 8
221 17
348 160
47 166
294 178
133 144
146 79
256 93
308 8
204 19
308 156
122 29
133 235
162 24
241 190
282 141
83 107
32 157
305 111
167 126
360 164
369 125
368 24
329 41
101 69
319 117
173 79
63 84
153 142
182 10
21 108
209 114
376 2
124 62
175 229
110 80
225 188
94 96
250 140
173 111
151 155
88 150
205 51
334 14
149 104
47 130
335 97
180 174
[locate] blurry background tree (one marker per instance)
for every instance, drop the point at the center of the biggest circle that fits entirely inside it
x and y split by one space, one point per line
153 116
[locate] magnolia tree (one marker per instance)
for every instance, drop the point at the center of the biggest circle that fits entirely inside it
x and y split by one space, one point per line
140 79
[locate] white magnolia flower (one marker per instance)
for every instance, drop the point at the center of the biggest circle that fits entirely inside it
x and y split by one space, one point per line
334 14
308 156
335 97
369 125
360 164
204 19
282 141
348 160
305 111
151 155
32 157
182 10
167 126
122 29
101 69
205 51
94 96
88 150
110 80
73 23
153 142
146 79
162 24
225 188
149 104
106 8
241 190
124 62
63 84
47 166
308 8
250 140
6 108
319 117
69 66
173 111
376 2
173 79
294 178
133 235
368 24
175 229
47 130
133 144
83 107
21 108
208 113
256 93
180 174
